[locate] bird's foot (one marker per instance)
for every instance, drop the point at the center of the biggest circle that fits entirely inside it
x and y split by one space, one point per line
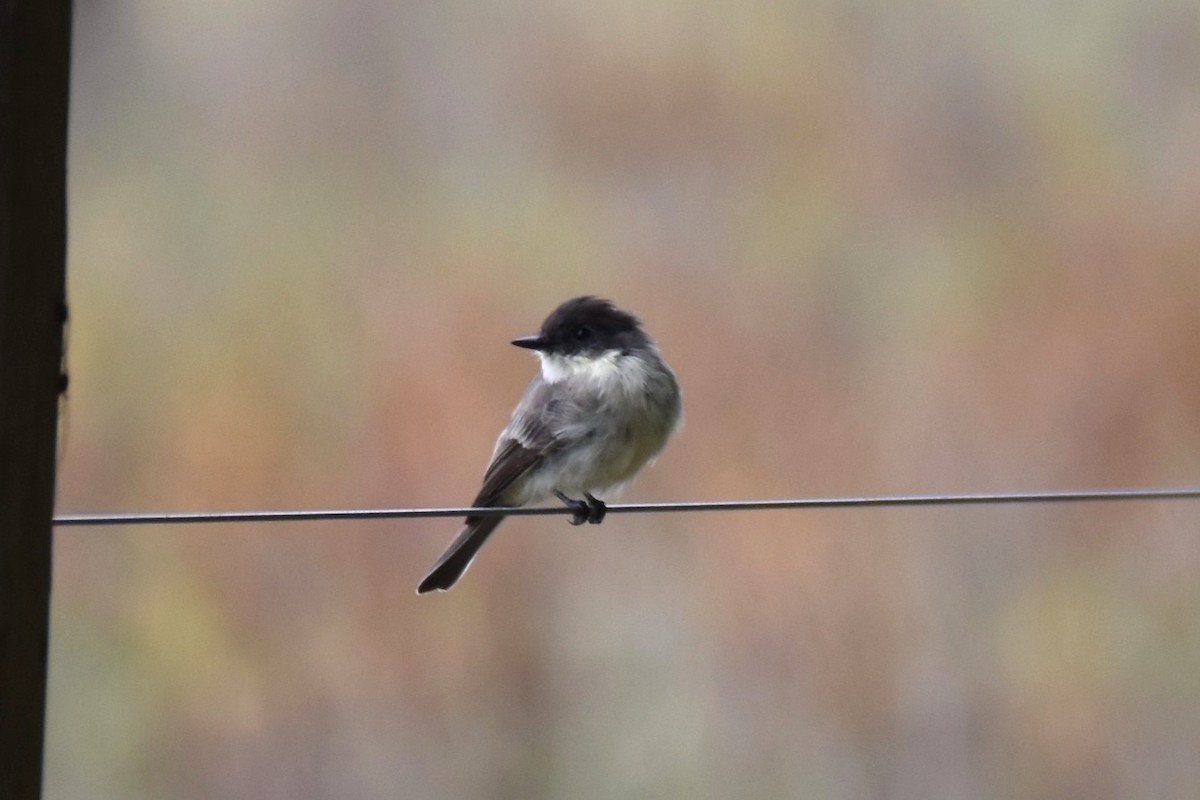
596 509
581 511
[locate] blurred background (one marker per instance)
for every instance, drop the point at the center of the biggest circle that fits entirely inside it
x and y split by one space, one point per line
935 247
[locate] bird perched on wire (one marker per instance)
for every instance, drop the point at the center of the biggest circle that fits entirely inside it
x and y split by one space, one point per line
602 407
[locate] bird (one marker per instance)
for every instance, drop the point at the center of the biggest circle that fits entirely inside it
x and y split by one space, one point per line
602 407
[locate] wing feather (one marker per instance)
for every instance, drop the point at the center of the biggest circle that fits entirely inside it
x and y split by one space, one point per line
512 460
529 438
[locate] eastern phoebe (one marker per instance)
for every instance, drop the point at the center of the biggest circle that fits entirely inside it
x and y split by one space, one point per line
602 408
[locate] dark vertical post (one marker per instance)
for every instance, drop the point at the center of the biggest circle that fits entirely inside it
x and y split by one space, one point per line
34 70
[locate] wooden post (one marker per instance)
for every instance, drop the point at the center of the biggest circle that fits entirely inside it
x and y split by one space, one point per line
34 69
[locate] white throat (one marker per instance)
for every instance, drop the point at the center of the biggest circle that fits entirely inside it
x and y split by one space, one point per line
557 368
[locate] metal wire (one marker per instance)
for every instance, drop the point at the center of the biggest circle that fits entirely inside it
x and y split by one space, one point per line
176 518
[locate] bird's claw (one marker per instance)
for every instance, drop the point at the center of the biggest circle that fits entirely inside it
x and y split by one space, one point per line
590 510
580 511
596 509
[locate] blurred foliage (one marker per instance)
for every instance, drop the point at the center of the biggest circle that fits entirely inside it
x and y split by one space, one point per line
928 247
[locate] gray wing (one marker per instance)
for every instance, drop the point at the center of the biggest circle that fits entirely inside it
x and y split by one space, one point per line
531 435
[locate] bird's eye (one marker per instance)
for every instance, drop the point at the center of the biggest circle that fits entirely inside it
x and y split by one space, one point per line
583 334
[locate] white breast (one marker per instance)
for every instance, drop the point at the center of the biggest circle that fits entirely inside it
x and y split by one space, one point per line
634 410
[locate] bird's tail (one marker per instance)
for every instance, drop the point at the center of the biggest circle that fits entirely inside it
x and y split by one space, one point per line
459 555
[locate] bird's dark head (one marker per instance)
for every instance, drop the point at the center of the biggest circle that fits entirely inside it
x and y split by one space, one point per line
586 327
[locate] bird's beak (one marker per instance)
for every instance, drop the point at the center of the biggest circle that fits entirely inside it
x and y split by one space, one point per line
530 342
